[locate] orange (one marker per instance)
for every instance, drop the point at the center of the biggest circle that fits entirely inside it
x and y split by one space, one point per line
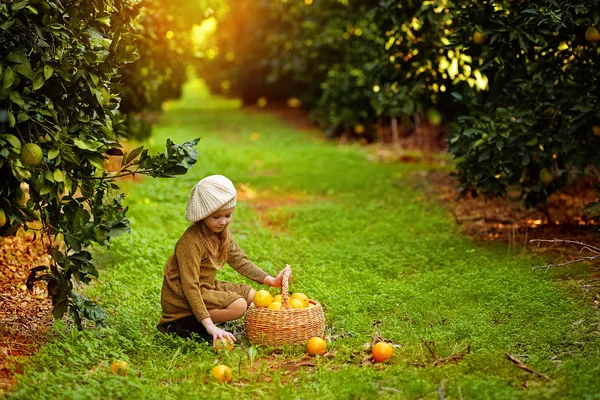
596 130
296 303
276 305
224 344
382 351
31 154
316 345
278 298
119 367
222 373
546 176
302 297
479 37
262 298
592 34
2 218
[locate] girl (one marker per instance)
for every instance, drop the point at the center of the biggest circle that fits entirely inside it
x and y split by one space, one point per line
192 300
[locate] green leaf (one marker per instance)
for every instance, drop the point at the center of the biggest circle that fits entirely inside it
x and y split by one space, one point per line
73 242
94 78
22 117
53 153
18 58
7 24
133 154
13 140
9 78
58 175
16 98
32 9
25 70
38 80
20 5
11 119
104 20
48 71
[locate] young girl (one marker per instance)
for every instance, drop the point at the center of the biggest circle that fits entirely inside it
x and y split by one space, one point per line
192 300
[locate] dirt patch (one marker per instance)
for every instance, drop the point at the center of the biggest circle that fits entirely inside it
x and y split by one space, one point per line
25 316
270 206
507 220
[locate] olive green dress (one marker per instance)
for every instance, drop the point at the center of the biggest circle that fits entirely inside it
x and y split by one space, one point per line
189 285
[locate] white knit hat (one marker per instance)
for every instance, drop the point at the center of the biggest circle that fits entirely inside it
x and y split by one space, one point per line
211 194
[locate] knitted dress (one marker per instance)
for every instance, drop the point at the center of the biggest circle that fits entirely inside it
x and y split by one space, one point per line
189 285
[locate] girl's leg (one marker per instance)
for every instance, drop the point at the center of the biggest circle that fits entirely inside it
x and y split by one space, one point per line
250 298
233 311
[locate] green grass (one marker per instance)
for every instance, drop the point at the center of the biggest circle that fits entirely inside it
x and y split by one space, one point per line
364 243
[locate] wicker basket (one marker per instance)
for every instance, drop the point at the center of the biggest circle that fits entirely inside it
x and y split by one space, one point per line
286 325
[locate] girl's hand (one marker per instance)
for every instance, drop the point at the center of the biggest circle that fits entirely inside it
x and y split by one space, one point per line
219 334
275 282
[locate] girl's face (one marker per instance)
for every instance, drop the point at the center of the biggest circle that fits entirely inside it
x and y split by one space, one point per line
219 220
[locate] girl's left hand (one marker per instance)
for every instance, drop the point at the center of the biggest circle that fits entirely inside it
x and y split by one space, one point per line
277 281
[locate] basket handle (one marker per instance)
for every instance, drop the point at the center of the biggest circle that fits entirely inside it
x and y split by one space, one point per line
285 286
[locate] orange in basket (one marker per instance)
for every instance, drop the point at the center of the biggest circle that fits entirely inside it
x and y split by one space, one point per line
286 325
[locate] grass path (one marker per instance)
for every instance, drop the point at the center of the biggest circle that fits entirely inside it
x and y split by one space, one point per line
379 257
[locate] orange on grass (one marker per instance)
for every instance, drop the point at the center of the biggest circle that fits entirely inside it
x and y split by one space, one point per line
276 305
224 344
262 298
119 367
302 297
382 351
222 373
296 303
316 345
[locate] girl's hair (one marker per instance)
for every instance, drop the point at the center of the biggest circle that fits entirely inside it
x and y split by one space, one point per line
216 244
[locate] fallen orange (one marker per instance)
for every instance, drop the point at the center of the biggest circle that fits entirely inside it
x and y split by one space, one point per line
222 373
382 351
316 345
119 367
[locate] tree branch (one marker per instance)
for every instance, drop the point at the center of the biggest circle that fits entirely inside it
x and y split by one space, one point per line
589 247
524 367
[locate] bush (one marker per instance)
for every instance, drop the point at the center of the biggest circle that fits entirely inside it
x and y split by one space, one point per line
60 66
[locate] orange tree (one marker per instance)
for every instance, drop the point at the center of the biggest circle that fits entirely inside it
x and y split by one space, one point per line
60 68
515 81
534 128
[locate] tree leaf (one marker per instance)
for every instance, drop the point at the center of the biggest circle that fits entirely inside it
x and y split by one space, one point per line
9 78
48 71
11 119
16 98
57 175
38 80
